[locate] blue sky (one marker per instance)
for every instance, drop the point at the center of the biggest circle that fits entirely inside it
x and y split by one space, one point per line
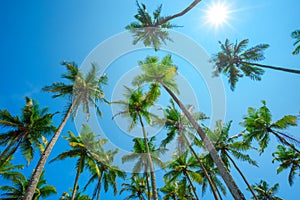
37 35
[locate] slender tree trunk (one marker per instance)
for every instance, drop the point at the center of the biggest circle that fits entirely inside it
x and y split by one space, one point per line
6 159
284 141
242 175
202 166
192 185
40 166
192 5
219 193
9 146
76 179
233 188
147 183
152 173
295 71
99 186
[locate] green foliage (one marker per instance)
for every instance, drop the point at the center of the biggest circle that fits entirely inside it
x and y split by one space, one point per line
263 192
288 158
136 187
296 35
78 196
235 61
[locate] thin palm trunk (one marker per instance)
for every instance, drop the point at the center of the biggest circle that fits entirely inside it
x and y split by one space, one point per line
202 166
219 193
6 159
192 185
99 186
152 173
233 188
192 5
76 179
242 175
41 164
295 71
10 145
284 141
147 183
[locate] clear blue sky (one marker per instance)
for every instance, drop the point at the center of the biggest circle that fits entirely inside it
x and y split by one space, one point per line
37 35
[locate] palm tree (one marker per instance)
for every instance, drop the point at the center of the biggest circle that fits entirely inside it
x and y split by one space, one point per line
16 191
228 147
264 192
288 158
153 31
136 106
234 61
182 168
108 173
137 187
177 124
85 90
163 73
27 131
8 170
176 190
296 35
78 195
259 126
81 147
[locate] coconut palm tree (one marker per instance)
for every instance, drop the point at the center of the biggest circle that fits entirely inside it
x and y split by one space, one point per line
177 124
228 148
296 35
153 30
85 91
288 158
258 124
16 191
140 154
182 167
136 106
235 61
27 131
136 187
81 147
264 192
163 72
108 173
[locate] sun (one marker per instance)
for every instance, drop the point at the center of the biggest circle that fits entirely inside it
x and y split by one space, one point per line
217 14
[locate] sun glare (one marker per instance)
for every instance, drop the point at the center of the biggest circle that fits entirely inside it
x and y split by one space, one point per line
217 14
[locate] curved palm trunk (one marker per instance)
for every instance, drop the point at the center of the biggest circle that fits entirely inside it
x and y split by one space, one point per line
284 141
192 5
242 175
6 159
40 166
202 166
147 183
275 68
152 173
76 179
99 186
233 188
192 185
9 146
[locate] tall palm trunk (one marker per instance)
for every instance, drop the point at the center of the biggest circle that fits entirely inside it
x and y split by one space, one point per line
283 140
152 173
147 183
233 188
202 166
99 186
192 185
41 164
77 178
6 159
295 71
192 5
242 175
